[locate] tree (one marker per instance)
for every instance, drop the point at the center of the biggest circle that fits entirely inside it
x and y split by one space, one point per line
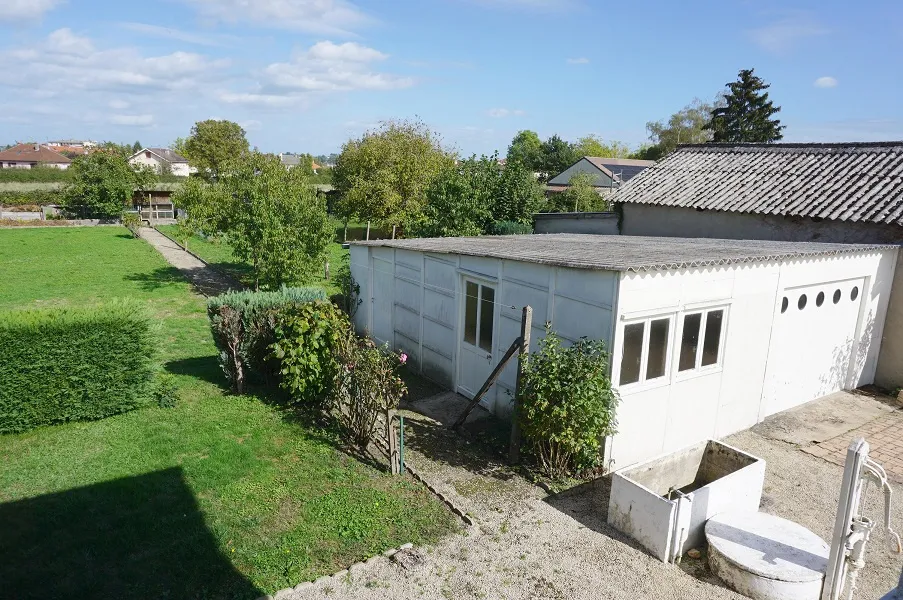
383 176
470 197
103 184
526 149
580 196
747 113
123 150
215 147
136 147
557 155
594 145
272 216
178 146
686 126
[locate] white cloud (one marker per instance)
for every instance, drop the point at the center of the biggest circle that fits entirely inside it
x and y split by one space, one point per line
132 120
582 60
250 125
501 113
326 66
26 10
539 5
180 35
783 34
118 104
825 82
313 16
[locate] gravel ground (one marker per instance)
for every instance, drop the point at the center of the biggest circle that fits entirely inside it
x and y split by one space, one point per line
529 544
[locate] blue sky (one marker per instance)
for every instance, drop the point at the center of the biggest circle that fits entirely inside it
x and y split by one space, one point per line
305 75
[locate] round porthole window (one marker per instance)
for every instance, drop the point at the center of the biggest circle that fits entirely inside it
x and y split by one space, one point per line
854 293
820 299
801 303
836 296
784 304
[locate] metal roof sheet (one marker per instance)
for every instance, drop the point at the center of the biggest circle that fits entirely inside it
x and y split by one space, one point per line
621 252
860 181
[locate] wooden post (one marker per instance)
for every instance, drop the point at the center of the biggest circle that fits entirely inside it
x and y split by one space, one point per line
515 346
526 325
368 230
392 439
393 232
327 271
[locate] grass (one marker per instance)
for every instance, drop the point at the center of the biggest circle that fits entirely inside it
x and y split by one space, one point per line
218 253
219 497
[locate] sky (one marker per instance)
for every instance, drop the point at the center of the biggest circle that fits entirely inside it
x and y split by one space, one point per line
307 75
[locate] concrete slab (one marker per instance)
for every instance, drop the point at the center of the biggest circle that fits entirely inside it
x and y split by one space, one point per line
823 419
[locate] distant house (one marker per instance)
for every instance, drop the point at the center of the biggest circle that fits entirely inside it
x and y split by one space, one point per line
73 144
607 173
163 160
292 160
29 156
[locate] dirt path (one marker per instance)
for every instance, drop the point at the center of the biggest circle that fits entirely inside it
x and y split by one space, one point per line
528 544
207 281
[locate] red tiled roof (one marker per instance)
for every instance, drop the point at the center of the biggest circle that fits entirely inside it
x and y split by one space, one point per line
35 153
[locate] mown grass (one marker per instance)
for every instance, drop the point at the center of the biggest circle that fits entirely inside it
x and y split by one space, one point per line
219 497
218 253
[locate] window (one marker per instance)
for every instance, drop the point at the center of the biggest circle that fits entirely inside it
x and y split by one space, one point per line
707 326
820 299
645 350
801 303
836 296
784 305
479 315
854 293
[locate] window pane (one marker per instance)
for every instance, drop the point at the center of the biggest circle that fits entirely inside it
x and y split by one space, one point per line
712 337
689 341
487 312
633 353
658 348
470 313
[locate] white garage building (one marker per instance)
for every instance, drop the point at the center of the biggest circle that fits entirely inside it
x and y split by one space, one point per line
708 336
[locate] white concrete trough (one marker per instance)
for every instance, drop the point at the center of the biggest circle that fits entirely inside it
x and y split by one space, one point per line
664 503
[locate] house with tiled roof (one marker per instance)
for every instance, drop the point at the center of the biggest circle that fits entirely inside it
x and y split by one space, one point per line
607 173
29 156
163 160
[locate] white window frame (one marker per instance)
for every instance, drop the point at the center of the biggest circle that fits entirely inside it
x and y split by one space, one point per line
698 369
480 283
642 382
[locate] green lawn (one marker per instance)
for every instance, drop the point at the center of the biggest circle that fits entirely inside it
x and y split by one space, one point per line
220 497
218 253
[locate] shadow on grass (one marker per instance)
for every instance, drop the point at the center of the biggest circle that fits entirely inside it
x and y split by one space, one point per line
156 279
135 537
205 368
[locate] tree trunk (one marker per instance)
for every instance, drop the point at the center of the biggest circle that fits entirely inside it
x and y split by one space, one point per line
345 235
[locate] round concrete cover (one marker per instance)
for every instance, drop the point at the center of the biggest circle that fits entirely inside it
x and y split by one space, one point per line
768 546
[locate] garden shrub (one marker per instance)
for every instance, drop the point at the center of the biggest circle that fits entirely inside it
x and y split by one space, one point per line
59 365
567 406
132 222
243 325
307 343
367 384
509 228
28 197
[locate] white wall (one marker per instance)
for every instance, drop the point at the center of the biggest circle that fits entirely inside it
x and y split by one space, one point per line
181 169
413 301
669 413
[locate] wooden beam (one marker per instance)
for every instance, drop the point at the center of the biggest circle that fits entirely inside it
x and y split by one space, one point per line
526 325
515 346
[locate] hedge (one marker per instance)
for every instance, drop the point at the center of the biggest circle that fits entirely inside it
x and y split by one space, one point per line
75 364
29 197
509 228
243 326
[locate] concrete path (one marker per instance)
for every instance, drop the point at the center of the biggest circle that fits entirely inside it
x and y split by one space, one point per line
207 281
527 543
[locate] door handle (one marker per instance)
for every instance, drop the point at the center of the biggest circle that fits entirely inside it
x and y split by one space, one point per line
489 357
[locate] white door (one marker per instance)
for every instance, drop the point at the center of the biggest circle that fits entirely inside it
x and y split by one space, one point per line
812 343
477 337
383 301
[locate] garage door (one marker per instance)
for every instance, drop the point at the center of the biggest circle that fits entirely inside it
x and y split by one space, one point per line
812 343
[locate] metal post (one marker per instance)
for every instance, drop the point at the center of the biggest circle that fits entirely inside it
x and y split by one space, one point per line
401 443
526 325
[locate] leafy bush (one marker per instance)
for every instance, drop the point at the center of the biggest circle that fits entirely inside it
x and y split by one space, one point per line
243 326
74 364
165 391
26 196
307 343
567 406
132 222
367 384
509 228
350 296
